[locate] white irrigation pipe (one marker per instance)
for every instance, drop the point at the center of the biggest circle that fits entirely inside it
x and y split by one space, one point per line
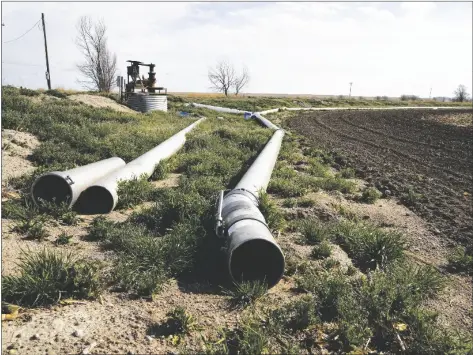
102 196
252 252
66 186
369 108
219 109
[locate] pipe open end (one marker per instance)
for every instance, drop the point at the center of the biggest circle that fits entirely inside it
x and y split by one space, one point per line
95 200
51 188
257 260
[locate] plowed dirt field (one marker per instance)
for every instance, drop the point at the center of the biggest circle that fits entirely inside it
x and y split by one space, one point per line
402 151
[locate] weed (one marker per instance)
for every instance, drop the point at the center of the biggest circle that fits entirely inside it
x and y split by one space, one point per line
347 173
161 171
56 93
306 202
337 184
330 263
351 270
36 231
46 277
70 218
290 202
316 168
313 231
178 322
346 212
286 188
99 229
370 195
322 251
133 192
245 293
295 316
460 261
63 239
271 212
369 246
411 198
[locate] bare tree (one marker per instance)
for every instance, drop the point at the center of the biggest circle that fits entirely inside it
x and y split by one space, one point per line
222 77
241 80
100 65
461 94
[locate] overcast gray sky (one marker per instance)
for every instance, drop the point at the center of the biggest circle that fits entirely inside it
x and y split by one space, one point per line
297 48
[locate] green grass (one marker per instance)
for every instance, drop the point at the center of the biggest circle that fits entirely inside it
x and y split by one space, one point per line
321 251
369 246
46 277
271 212
370 308
313 231
245 293
133 192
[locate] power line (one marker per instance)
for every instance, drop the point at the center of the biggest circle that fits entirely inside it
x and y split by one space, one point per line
12 40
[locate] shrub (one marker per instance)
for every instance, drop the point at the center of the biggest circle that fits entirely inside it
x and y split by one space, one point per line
245 293
313 231
46 277
370 195
305 202
369 246
322 251
460 261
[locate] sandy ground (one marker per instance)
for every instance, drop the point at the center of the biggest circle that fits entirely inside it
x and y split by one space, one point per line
100 101
16 147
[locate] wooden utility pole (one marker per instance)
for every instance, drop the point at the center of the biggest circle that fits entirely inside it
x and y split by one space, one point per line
48 78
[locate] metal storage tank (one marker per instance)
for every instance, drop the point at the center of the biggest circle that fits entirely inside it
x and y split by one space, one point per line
145 102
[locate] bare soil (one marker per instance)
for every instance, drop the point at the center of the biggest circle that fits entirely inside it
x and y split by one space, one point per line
16 147
100 101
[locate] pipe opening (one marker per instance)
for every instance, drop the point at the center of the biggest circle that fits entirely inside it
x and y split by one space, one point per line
95 200
51 188
257 260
